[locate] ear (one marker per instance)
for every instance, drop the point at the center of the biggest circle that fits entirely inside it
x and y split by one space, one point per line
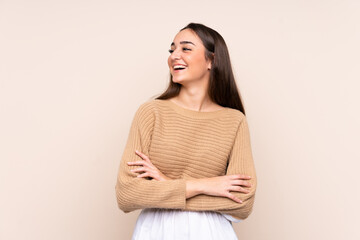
210 62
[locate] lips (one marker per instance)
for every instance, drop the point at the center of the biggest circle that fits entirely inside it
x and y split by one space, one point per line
179 67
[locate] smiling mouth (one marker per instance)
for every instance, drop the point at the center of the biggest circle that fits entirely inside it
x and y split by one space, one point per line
179 68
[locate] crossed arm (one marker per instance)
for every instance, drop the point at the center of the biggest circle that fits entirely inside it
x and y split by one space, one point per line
141 185
214 186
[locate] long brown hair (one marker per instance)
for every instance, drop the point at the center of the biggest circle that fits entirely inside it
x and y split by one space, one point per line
222 86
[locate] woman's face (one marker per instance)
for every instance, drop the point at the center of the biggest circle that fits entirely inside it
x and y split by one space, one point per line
187 58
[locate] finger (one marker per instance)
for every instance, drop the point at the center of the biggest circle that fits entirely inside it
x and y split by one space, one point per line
146 174
143 156
241 183
141 169
232 197
239 189
138 163
240 176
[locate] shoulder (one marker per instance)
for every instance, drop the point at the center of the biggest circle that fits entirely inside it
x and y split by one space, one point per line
236 114
152 106
149 105
146 110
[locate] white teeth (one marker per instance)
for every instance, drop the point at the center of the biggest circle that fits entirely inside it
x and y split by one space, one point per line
178 66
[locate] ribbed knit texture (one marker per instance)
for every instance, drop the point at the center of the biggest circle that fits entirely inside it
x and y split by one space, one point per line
185 144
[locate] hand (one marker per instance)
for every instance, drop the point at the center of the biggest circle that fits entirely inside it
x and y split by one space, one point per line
222 185
148 169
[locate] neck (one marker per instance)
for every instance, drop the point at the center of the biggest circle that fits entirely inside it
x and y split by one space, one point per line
194 99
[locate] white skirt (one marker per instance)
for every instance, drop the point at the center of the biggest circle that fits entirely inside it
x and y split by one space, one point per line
176 224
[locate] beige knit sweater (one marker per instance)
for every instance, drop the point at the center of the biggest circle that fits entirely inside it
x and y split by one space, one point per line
185 144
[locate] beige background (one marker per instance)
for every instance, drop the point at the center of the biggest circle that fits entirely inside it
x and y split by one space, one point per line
74 72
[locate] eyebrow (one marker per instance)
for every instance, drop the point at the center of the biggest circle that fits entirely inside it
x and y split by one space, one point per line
183 42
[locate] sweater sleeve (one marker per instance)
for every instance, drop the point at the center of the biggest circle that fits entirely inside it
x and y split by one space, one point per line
136 193
240 162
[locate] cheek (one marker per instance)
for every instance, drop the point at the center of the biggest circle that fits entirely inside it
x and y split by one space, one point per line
200 63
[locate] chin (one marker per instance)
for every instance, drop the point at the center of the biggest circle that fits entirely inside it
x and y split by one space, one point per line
176 80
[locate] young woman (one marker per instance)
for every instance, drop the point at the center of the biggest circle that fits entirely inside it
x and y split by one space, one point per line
188 162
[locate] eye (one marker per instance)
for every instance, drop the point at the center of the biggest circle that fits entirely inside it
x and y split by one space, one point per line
184 49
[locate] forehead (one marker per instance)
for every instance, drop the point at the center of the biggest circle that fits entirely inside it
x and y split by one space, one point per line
187 35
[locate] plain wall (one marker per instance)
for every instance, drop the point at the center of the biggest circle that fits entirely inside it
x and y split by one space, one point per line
73 73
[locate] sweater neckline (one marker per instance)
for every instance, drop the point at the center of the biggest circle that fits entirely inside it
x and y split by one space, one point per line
193 113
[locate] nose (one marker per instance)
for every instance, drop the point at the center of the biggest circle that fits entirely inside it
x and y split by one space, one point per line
175 54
